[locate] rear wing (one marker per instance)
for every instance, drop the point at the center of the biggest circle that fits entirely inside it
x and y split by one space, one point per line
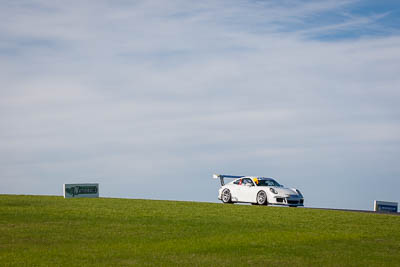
222 176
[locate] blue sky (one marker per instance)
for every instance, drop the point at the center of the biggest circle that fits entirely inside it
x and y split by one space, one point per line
150 98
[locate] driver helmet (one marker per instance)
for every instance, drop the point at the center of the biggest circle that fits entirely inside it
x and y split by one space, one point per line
255 180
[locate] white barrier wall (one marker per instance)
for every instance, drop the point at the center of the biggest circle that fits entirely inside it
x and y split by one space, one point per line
80 190
384 206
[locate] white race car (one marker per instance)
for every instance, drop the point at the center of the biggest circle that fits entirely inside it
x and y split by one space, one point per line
257 190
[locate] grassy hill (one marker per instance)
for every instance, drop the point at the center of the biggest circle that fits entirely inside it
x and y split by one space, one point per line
44 230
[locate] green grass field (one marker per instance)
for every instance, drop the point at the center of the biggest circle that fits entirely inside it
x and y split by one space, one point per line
49 231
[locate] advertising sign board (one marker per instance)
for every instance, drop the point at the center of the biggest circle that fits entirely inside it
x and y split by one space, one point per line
384 206
80 190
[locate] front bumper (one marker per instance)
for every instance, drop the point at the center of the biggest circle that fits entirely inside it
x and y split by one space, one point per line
288 200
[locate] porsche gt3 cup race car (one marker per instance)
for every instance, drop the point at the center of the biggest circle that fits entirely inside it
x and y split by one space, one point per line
257 190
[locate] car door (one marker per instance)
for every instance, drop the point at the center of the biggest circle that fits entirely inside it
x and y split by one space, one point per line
248 191
239 192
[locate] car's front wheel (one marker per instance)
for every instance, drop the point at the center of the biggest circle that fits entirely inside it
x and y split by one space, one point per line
226 196
262 198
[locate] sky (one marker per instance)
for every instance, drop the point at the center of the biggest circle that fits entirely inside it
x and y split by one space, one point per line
150 98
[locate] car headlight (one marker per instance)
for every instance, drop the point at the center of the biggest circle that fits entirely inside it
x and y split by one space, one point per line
298 192
273 190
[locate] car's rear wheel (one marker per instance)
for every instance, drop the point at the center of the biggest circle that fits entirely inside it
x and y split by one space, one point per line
226 196
262 198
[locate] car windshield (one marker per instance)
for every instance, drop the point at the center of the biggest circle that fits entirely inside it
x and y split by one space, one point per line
267 182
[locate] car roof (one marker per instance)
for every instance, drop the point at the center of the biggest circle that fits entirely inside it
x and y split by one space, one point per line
259 178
